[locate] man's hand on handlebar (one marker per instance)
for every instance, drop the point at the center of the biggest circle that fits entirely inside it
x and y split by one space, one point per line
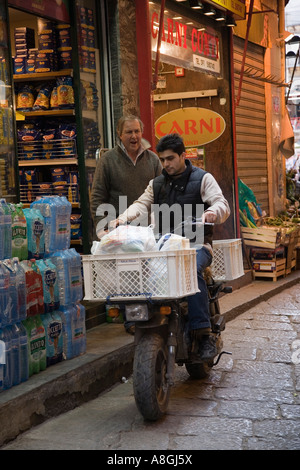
115 223
112 225
209 217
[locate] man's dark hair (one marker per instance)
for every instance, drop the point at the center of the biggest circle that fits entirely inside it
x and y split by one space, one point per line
171 141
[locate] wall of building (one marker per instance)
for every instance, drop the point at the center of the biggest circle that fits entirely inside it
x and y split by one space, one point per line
123 58
265 31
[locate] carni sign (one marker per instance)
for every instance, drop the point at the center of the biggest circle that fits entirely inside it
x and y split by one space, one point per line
185 42
197 126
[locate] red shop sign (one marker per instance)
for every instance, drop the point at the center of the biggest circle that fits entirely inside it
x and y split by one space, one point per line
185 42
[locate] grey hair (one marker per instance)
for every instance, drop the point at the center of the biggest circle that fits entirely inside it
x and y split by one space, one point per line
128 117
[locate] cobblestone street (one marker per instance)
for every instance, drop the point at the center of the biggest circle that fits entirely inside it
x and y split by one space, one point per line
251 401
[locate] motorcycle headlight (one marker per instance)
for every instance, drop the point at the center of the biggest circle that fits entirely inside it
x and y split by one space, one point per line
137 312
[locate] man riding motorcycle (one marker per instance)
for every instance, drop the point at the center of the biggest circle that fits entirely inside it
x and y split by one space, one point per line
183 184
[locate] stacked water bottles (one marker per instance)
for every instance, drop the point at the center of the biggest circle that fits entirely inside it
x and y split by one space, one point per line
13 338
40 294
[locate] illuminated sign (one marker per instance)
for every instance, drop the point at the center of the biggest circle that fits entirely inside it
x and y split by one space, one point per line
235 6
185 43
197 126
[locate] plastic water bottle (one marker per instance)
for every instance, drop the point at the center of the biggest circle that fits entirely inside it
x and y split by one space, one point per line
5 311
61 260
58 336
51 267
36 344
56 211
50 284
54 337
19 232
66 213
46 320
21 288
43 205
79 342
40 342
33 364
36 233
37 291
15 354
65 313
24 366
7 229
5 359
13 291
74 261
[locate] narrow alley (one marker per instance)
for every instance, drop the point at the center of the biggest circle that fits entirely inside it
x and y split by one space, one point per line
250 401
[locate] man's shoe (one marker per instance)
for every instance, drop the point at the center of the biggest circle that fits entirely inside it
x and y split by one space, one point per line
207 348
198 334
130 330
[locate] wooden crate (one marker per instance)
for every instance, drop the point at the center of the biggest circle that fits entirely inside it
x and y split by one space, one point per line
261 237
292 264
289 237
267 254
269 269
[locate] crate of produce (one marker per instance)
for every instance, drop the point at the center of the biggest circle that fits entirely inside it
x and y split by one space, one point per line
264 237
156 275
227 260
290 235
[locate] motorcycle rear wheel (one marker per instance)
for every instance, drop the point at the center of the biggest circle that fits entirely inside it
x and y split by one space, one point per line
199 370
150 386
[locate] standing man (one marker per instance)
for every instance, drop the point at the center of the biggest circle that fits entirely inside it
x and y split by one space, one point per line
121 176
123 171
185 185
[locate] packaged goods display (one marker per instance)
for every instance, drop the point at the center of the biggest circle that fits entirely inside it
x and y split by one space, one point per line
41 319
46 116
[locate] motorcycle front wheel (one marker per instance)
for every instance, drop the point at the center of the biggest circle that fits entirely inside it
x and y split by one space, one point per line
150 386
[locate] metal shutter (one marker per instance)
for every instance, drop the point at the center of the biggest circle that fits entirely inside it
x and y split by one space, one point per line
251 140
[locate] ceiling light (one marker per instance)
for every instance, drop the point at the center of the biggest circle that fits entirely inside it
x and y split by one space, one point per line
230 21
196 4
208 11
220 16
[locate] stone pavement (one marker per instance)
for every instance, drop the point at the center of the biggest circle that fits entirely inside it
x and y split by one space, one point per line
255 391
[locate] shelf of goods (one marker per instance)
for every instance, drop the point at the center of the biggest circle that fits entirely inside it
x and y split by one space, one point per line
27 77
40 159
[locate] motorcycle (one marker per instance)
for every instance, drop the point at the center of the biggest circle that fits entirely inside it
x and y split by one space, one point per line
162 340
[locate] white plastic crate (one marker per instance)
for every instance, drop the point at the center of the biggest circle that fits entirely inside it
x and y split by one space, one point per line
227 260
169 274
